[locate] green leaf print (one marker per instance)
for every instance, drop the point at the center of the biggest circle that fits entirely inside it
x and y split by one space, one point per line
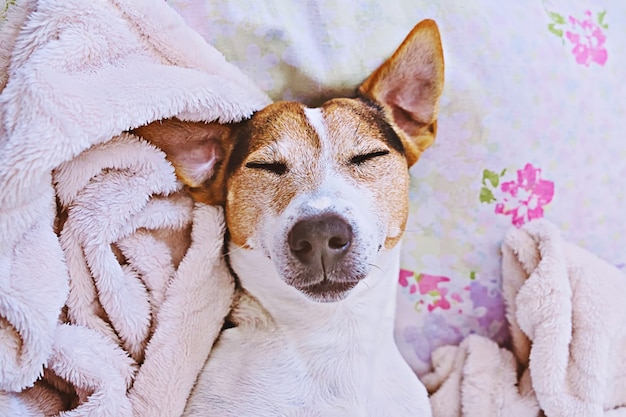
601 19
557 18
486 196
554 30
493 177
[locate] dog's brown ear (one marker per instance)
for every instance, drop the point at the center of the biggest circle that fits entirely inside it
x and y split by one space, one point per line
408 86
198 151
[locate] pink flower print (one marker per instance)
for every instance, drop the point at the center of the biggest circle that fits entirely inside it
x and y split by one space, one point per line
441 302
525 198
457 297
429 284
425 287
588 40
405 274
586 36
403 280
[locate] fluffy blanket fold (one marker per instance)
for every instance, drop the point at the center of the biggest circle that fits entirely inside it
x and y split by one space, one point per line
568 323
112 284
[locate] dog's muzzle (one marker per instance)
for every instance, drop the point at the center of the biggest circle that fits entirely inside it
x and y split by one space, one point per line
321 245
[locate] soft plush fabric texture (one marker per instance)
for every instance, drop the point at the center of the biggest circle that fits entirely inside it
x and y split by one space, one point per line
113 286
568 323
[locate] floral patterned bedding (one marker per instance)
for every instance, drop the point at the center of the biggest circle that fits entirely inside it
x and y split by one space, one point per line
532 124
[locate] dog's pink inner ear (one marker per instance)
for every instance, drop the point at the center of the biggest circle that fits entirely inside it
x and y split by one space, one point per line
195 160
195 149
408 86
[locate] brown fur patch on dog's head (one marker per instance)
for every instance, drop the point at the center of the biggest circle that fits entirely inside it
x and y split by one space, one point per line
273 160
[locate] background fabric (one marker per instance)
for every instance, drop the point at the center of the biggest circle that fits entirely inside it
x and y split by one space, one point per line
531 125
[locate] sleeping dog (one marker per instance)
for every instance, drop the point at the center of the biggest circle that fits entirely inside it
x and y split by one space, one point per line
316 202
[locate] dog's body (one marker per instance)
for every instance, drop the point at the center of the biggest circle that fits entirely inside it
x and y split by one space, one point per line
289 355
302 359
316 202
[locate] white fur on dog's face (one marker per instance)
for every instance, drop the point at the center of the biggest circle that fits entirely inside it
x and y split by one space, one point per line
297 163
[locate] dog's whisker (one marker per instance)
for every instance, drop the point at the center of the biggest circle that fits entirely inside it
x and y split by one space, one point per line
356 129
235 249
375 266
412 231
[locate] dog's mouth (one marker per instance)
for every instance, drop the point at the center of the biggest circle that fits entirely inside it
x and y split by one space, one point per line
327 290
323 255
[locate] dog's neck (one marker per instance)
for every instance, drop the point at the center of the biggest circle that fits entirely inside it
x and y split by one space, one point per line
372 302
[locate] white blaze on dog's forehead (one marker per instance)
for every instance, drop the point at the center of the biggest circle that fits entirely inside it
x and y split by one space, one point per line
316 120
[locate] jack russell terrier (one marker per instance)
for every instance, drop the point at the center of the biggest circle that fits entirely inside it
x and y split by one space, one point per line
316 201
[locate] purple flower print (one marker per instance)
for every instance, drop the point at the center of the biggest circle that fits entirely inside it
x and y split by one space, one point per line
433 333
490 301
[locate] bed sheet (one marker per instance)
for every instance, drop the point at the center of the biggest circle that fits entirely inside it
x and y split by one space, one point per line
531 124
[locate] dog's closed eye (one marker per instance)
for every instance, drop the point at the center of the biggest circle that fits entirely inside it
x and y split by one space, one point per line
278 168
362 158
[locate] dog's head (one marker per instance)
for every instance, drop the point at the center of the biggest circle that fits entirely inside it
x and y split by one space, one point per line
319 191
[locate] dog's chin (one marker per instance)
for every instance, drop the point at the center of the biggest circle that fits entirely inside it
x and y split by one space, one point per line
327 291
325 286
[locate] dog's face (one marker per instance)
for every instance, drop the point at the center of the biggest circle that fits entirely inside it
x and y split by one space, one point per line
319 191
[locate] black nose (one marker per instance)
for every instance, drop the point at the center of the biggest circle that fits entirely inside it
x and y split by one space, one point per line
324 238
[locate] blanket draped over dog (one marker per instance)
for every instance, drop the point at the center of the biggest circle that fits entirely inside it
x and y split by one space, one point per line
567 316
112 284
